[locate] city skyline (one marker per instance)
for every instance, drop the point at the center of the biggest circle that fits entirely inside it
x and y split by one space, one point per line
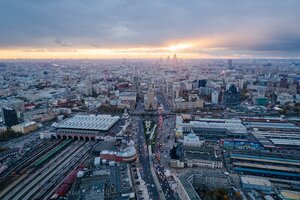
156 29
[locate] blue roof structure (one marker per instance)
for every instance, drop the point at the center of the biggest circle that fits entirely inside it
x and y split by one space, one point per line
242 169
265 158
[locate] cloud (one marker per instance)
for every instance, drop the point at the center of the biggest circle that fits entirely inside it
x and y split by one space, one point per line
61 43
256 25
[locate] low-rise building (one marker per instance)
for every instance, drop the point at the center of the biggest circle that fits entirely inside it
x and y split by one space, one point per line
176 163
127 154
254 183
181 104
25 127
202 157
192 140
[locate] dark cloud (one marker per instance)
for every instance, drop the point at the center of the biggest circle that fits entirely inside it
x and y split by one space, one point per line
282 42
61 43
256 25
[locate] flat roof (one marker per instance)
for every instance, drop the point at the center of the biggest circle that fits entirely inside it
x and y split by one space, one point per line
128 94
271 125
89 122
270 139
186 181
201 153
290 194
266 172
285 142
267 166
265 158
255 181
233 125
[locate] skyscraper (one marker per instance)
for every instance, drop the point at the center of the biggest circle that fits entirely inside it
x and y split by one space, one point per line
10 117
150 99
231 96
230 63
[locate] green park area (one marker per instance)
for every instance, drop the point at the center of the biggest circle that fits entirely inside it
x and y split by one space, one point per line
150 129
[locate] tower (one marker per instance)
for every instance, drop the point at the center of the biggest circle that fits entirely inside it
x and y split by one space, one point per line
10 117
150 99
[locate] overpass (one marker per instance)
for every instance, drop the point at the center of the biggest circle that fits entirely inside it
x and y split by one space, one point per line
155 114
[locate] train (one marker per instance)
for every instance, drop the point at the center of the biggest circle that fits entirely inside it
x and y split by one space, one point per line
67 183
51 153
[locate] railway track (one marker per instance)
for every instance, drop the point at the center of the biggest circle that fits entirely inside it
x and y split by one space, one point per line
57 166
48 193
13 174
41 149
26 178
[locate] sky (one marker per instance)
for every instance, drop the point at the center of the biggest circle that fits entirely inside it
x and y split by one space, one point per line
149 28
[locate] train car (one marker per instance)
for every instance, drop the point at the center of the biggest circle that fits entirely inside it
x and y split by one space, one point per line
66 185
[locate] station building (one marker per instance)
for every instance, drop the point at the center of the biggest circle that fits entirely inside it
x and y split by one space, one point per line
89 127
266 164
209 128
254 183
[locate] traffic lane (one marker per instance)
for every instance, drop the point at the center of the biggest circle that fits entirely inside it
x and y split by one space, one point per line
164 183
145 164
160 170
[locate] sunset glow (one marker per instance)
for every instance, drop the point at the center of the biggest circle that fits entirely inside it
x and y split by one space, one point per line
102 53
179 47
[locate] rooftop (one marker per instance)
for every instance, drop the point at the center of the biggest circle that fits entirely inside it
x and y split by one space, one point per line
231 125
271 125
90 122
255 181
289 194
202 153
186 181
192 137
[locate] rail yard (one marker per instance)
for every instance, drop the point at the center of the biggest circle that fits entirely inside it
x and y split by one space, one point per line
42 172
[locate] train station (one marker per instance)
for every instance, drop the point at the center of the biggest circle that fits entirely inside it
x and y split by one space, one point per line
89 127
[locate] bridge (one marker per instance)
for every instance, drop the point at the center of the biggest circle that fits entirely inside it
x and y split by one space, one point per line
152 114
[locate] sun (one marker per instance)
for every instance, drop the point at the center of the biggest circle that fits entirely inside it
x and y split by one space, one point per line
178 47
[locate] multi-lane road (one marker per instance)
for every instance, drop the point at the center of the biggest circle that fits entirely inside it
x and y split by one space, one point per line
164 127
144 160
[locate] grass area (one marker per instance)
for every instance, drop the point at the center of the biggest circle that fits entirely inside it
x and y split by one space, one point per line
147 136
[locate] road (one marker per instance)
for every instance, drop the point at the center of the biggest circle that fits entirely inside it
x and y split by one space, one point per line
144 160
164 142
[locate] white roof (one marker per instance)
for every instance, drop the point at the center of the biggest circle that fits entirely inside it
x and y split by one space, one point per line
91 122
255 181
191 137
233 125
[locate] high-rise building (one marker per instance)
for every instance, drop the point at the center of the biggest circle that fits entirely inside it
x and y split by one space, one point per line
230 63
150 99
175 57
10 117
215 97
231 96
199 83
